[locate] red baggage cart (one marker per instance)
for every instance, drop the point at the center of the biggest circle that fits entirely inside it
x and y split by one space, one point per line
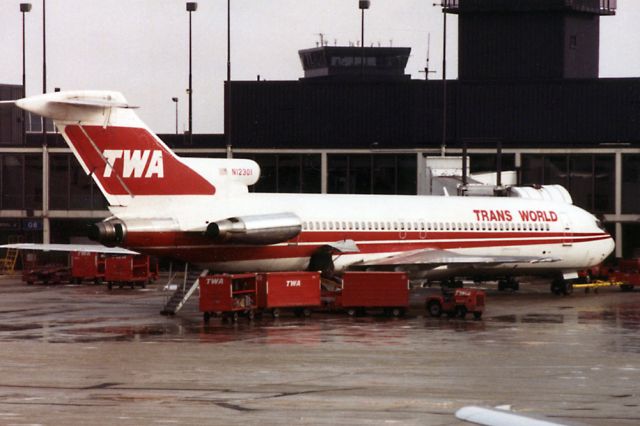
299 291
227 294
388 291
87 266
47 270
129 270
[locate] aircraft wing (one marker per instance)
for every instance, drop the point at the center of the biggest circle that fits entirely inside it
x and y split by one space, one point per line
499 417
93 248
435 258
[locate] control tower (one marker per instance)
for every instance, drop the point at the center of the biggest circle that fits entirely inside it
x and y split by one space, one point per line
528 39
349 62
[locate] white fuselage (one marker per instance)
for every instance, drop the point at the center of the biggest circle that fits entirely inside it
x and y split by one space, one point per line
384 225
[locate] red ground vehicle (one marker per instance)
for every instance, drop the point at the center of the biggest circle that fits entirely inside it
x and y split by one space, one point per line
228 295
49 273
129 270
457 302
47 270
628 272
299 291
87 266
626 275
388 291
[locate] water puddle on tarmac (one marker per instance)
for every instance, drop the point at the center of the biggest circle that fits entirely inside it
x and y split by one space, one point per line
614 318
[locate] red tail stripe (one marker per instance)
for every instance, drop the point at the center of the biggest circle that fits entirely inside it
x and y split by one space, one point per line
175 179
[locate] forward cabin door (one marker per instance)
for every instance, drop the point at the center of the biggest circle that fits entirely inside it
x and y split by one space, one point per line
567 234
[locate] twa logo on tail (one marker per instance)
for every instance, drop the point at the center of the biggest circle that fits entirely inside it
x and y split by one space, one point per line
135 162
131 161
115 148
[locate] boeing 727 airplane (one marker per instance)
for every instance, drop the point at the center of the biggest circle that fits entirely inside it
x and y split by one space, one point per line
200 210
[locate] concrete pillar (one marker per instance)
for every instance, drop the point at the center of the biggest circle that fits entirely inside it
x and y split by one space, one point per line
324 167
46 226
421 170
618 202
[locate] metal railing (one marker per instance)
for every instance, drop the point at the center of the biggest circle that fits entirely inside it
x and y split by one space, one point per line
608 5
603 6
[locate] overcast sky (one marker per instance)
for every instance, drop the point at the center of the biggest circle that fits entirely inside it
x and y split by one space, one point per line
140 47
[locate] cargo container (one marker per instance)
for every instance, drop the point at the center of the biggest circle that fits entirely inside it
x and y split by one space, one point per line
228 295
129 270
51 273
299 291
43 268
87 266
388 291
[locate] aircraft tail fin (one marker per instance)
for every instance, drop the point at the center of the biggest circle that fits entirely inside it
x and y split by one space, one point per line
116 148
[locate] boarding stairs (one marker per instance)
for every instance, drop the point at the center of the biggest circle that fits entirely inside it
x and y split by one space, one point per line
183 291
8 262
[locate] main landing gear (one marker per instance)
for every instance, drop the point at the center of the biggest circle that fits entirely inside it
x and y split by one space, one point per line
508 284
560 286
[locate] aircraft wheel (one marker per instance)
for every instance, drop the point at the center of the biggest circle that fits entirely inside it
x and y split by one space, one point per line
434 308
351 312
397 312
514 285
567 288
275 313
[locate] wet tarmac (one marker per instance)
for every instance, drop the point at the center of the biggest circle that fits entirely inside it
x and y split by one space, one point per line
82 354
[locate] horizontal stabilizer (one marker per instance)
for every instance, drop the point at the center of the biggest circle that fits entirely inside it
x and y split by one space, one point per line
92 248
98 103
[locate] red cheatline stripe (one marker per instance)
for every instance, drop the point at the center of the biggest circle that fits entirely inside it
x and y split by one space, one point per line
200 249
142 239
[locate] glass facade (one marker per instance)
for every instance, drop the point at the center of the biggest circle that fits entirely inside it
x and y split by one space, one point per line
70 187
20 181
372 174
590 179
288 173
487 163
630 183
630 240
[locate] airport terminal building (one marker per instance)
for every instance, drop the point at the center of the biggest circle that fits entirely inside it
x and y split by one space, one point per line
355 123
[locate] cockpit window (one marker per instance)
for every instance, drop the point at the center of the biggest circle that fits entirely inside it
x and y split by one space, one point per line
600 225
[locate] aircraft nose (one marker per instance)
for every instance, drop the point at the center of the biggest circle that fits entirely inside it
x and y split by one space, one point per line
609 247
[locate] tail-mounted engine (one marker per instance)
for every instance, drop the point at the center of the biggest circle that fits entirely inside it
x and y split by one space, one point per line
113 232
259 229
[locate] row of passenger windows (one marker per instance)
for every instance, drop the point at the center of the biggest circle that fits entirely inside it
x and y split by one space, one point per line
422 226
